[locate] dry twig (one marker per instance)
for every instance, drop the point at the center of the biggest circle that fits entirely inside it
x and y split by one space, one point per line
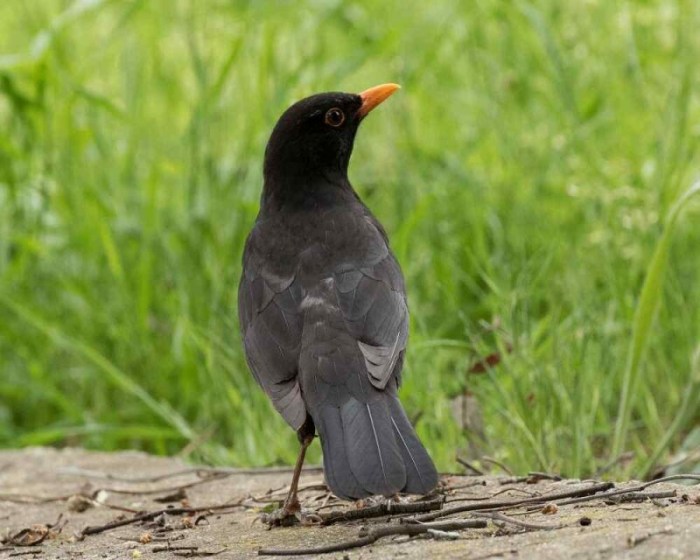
376 534
498 516
201 472
380 510
490 506
151 515
469 466
630 490
498 463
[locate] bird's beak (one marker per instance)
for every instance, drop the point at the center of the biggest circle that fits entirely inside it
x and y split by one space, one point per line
374 96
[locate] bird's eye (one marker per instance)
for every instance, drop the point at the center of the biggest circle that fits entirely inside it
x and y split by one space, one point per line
335 117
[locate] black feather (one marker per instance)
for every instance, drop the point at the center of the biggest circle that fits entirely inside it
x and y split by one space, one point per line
336 466
322 307
421 475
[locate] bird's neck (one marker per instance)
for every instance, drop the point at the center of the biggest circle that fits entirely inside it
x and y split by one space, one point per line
310 192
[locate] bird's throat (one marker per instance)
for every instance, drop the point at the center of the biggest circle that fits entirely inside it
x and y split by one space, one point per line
310 192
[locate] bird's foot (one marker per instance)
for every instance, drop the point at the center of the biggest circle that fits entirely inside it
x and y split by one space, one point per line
287 516
308 517
372 501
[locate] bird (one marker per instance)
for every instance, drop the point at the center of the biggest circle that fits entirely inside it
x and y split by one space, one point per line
322 307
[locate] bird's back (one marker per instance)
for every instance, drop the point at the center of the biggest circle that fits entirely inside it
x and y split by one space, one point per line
323 312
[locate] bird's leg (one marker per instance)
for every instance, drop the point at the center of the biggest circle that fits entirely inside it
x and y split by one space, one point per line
291 504
291 510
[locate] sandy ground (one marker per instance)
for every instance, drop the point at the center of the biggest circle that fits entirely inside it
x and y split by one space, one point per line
658 529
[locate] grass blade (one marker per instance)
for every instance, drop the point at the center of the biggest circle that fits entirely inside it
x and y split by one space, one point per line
113 373
649 301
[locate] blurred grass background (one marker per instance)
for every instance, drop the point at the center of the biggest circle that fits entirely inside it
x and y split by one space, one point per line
525 173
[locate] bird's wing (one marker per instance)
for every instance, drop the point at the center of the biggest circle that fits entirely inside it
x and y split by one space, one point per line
371 298
271 325
356 329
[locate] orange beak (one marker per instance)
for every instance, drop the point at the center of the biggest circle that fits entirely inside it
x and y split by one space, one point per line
374 96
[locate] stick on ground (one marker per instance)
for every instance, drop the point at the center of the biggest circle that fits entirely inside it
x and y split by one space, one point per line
376 534
506 504
380 510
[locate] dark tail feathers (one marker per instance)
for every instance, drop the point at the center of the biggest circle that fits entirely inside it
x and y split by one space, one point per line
371 448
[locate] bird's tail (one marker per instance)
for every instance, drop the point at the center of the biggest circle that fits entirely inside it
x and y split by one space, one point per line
371 448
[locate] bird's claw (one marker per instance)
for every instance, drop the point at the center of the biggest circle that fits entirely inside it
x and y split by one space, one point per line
286 517
308 517
372 501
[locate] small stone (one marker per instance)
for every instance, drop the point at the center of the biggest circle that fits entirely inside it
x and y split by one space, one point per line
585 521
101 496
78 503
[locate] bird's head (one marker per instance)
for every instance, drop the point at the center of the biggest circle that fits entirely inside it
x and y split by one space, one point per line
313 139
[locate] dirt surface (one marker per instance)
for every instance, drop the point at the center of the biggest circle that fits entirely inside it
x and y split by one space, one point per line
658 528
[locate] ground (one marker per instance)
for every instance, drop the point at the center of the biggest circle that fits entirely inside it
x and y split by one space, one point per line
665 526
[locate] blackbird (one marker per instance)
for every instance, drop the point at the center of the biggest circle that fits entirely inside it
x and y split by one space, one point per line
322 306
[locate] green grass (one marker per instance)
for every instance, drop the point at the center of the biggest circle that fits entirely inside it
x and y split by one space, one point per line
528 174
